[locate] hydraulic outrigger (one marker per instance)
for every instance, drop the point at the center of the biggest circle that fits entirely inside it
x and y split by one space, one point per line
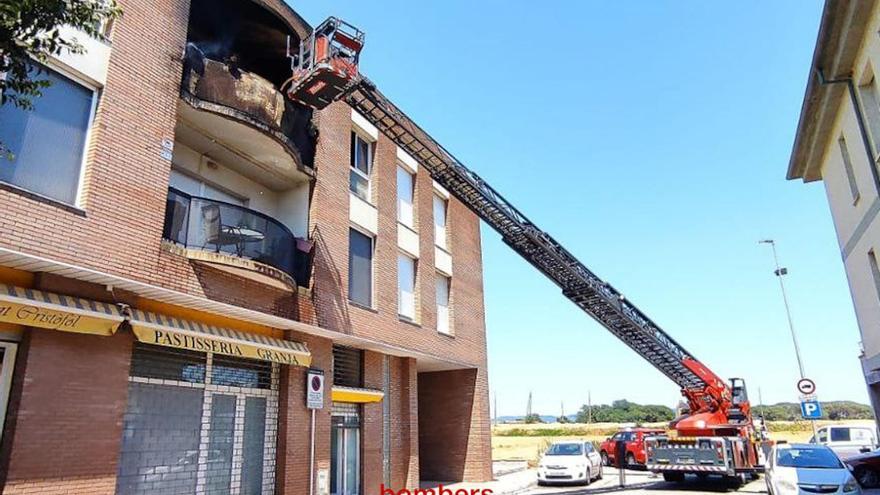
717 435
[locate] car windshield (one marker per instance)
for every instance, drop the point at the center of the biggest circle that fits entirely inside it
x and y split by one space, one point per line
565 449
808 457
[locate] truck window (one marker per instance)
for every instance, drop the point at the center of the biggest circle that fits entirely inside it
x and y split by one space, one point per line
823 436
861 435
840 435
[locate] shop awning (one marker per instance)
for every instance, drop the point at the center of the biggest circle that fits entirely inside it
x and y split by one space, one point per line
157 329
35 308
356 395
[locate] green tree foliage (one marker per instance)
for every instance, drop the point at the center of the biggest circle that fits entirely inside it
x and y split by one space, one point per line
532 419
837 410
33 30
624 411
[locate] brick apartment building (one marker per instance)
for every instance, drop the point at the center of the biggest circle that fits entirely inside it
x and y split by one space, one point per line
180 244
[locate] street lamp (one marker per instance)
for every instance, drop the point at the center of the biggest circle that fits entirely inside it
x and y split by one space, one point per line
780 272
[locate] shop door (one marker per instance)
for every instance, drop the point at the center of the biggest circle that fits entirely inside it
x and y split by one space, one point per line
198 424
345 450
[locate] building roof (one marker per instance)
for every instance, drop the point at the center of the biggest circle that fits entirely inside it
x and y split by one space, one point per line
840 37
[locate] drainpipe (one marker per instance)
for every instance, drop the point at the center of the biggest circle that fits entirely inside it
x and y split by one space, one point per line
860 118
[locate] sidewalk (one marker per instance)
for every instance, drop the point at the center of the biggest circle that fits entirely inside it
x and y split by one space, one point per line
505 483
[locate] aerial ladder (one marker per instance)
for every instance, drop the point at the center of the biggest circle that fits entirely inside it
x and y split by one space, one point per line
716 435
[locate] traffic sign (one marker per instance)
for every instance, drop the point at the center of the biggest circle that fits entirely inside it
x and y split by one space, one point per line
806 386
810 409
315 389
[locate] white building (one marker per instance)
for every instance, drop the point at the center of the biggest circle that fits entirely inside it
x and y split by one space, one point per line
838 142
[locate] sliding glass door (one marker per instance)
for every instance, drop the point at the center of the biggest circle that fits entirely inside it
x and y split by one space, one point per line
345 445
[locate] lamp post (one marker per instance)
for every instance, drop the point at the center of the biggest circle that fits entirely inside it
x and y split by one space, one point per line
780 272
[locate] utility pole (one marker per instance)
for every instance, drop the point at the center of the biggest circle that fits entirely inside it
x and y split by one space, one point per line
589 407
529 406
780 272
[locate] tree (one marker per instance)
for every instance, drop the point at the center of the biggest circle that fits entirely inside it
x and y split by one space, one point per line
33 30
532 419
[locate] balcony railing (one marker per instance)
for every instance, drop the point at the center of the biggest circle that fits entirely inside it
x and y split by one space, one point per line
209 225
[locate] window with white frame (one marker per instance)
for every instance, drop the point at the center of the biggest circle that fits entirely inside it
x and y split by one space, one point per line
406 287
361 166
848 169
440 209
405 194
442 296
48 142
360 268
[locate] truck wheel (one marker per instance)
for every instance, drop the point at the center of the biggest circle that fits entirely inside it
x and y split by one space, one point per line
673 477
605 460
738 480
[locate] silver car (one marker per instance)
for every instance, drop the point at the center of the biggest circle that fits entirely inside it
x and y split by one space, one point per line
807 469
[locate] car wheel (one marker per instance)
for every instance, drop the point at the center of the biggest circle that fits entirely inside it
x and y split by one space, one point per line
605 460
588 477
630 460
599 477
867 478
542 483
673 477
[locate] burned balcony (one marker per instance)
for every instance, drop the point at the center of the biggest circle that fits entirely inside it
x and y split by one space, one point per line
229 235
244 113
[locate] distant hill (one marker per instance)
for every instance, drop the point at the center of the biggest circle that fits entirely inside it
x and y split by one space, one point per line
833 410
629 412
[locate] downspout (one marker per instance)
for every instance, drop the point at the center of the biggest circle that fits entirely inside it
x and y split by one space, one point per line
860 118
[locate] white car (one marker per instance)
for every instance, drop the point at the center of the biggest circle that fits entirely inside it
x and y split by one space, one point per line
846 441
570 462
807 469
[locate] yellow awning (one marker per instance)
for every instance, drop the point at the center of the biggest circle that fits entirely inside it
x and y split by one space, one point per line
356 395
35 308
157 329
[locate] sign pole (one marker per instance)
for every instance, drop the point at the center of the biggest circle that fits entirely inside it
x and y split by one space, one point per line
312 456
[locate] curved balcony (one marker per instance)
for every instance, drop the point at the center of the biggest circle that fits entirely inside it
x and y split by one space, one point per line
227 234
244 120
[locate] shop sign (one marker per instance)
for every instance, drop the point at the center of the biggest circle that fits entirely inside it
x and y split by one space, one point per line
34 316
315 389
206 343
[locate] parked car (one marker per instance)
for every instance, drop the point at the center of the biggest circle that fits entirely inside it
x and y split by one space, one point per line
635 446
865 468
846 441
806 469
570 462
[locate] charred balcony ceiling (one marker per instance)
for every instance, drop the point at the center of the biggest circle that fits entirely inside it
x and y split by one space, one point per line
235 63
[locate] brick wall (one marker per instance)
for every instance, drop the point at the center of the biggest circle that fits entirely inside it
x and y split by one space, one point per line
454 429
65 417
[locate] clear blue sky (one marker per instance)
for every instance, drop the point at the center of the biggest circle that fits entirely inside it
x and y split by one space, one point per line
651 139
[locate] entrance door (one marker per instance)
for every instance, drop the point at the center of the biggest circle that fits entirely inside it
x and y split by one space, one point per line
345 450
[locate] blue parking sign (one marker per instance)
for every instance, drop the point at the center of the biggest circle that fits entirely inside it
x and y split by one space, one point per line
810 409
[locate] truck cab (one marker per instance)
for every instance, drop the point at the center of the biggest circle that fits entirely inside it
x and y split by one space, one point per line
846 440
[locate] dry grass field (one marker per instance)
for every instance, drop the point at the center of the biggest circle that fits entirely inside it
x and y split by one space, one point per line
527 442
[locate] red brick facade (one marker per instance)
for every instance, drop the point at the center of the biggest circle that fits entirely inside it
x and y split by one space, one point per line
64 421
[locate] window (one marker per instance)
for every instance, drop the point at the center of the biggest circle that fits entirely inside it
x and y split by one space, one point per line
7 364
875 270
360 268
48 142
348 366
840 435
440 221
195 186
406 285
443 304
871 105
848 168
405 193
361 166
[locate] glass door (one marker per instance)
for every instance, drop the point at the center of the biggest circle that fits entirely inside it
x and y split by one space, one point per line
345 455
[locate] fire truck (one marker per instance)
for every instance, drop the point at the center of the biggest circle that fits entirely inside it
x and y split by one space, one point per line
716 435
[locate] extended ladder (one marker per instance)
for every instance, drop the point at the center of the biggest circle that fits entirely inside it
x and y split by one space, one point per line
595 296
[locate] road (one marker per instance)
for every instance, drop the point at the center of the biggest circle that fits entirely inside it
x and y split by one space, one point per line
641 482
